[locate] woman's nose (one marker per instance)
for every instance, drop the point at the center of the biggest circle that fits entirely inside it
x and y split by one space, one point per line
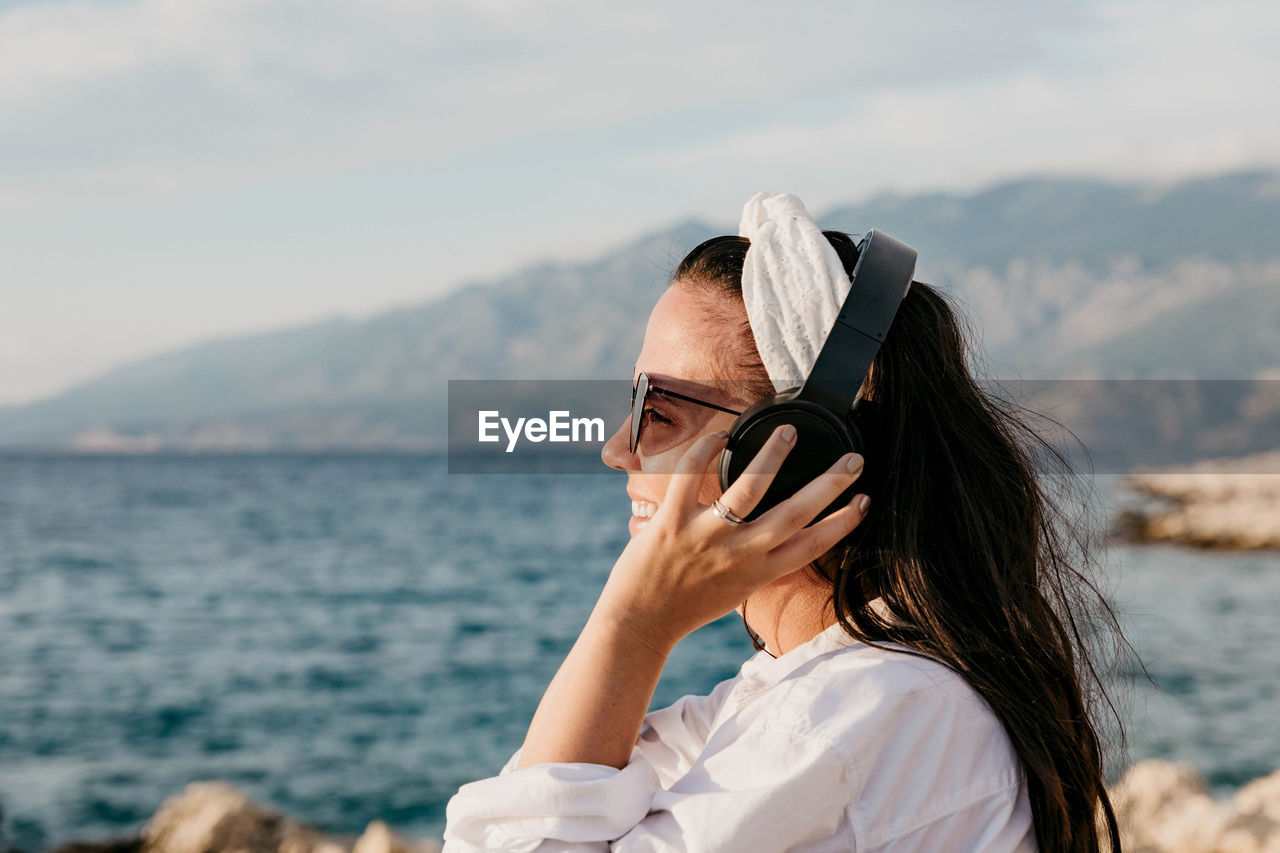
616 452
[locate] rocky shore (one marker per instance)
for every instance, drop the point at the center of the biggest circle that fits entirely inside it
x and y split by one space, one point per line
1163 807
215 817
1232 503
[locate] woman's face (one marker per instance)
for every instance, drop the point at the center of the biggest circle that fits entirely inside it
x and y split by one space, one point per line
680 342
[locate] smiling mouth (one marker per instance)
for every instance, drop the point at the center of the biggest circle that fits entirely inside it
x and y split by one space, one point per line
643 509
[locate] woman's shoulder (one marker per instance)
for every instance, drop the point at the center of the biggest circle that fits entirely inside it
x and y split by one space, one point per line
863 697
921 743
883 672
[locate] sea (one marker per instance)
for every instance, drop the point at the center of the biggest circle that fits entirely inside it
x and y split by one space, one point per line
352 637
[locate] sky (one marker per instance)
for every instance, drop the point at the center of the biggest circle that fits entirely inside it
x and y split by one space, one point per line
177 170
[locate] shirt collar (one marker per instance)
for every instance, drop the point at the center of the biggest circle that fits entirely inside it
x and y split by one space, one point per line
763 670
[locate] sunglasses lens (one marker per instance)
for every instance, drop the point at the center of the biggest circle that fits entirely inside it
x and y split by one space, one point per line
638 393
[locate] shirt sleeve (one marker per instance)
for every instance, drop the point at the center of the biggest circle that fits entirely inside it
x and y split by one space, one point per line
766 789
580 806
554 806
673 737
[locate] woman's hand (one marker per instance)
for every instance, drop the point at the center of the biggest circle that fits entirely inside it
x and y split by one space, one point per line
688 567
683 569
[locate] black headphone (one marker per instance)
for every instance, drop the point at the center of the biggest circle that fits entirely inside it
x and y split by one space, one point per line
826 408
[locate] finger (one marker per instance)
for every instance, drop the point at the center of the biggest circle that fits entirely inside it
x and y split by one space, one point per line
745 492
812 542
779 523
682 491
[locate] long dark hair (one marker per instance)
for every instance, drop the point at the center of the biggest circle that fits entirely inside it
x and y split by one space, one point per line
970 544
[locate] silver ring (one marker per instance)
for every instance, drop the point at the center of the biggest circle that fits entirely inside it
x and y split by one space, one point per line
724 512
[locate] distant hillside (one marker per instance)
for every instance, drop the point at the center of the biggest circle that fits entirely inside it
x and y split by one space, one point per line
1232 217
1062 276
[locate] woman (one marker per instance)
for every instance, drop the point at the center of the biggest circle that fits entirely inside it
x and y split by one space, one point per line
921 680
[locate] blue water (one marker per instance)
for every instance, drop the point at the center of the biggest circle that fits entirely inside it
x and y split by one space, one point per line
353 637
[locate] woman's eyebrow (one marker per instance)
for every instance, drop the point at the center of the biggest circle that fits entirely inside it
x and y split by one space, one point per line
660 383
686 391
681 385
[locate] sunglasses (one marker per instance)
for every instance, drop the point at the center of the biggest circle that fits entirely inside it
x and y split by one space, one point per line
640 394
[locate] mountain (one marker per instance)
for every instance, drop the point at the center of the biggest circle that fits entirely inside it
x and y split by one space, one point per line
1062 277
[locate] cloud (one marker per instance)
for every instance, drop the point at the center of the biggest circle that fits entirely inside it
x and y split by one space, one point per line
1168 91
167 96
102 100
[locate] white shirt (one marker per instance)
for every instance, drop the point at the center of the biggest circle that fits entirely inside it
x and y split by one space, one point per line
835 745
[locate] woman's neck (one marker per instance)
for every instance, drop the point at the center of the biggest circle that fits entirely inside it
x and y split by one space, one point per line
790 612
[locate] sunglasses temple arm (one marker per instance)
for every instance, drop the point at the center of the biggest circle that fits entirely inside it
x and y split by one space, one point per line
679 396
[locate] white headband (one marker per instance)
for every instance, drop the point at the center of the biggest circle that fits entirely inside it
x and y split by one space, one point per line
793 284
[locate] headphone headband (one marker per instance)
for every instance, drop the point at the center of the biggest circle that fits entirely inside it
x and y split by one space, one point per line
881 277
820 410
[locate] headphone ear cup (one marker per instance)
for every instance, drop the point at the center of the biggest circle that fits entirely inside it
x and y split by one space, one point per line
821 439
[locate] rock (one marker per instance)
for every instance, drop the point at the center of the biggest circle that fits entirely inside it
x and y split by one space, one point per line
379 838
1164 807
1160 806
1232 503
215 817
